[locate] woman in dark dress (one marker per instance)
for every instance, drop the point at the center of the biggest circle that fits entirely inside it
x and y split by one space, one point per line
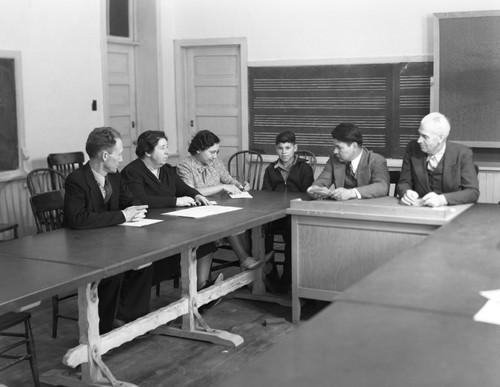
155 183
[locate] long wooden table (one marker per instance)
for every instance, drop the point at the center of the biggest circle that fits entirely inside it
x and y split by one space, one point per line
335 244
409 323
108 251
355 345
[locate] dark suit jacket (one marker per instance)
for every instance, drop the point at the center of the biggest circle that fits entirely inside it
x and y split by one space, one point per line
84 205
372 175
460 184
156 193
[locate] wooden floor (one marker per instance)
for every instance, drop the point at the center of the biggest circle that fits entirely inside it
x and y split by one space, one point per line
156 360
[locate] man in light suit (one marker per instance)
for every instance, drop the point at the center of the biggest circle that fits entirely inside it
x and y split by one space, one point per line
96 197
353 172
435 172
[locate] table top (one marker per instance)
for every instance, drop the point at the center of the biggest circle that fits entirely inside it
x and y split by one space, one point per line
385 208
25 281
369 345
42 265
117 249
445 272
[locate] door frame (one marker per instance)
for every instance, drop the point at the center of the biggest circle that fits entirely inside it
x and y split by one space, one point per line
128 41
180 50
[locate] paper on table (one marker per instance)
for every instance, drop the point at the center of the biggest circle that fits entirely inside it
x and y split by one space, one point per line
491 294
141 222
242 195
202 211
489 313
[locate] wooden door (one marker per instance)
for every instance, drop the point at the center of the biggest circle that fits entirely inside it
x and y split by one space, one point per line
121 96
213 96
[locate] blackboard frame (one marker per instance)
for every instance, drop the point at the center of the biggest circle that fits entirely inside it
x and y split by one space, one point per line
21 167
457 91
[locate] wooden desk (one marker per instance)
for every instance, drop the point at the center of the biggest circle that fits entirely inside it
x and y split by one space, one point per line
335 244
116 249
445 272
354 345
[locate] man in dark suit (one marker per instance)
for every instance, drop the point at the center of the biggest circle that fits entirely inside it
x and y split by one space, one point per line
353 172
435 172
95 197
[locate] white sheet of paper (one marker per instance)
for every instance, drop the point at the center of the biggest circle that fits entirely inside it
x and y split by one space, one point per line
141 222
242 195
489 313
491 294
202 211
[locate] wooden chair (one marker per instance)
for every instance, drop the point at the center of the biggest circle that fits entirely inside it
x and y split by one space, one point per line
309 156
12 319
8 321
65 162
4 227
246 166
43 180
48 209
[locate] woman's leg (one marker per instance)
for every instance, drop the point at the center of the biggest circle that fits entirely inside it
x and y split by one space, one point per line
203 266
241 245
203 272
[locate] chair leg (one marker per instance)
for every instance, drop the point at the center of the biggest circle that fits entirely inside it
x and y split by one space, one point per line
30 347
157 288
176 281
55 315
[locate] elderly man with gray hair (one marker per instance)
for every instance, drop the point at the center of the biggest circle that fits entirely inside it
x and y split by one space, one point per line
436 172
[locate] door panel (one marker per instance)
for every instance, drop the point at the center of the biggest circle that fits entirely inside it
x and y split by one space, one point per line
213 95
121 94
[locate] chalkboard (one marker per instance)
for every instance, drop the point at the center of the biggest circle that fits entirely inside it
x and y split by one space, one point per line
386 100
467 74
9 141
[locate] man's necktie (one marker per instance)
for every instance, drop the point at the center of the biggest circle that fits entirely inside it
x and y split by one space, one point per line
432 163
349 171
108 189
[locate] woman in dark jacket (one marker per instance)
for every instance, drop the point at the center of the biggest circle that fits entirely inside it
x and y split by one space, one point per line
155 183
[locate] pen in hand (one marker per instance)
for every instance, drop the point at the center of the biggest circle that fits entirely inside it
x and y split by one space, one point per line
245 186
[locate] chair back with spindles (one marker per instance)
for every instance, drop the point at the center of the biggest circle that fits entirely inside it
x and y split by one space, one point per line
309 156
48 209
65 162
246 166
44 180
